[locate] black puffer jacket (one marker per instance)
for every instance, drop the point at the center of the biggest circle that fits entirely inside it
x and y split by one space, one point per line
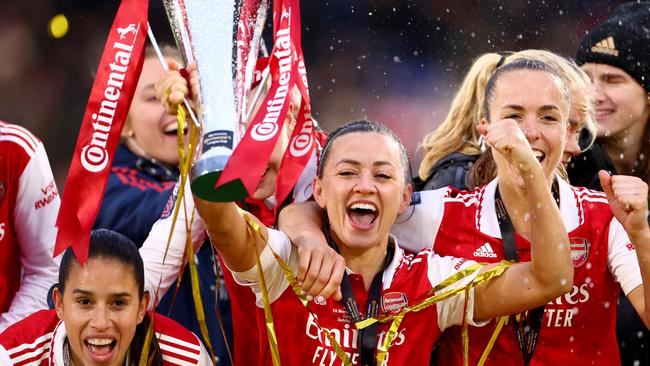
449 171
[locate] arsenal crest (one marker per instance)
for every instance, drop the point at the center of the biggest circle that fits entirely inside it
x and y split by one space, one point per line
393 302
579 251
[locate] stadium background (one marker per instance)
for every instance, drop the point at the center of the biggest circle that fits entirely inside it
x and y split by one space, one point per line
398 62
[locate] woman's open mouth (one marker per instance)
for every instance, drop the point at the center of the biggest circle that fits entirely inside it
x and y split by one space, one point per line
100 349
172 129
362 215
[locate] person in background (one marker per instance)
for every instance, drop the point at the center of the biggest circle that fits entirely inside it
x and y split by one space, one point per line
100 316
29 204
452 149
616 56
143 175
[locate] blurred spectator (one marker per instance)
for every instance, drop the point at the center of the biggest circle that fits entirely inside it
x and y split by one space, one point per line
616 56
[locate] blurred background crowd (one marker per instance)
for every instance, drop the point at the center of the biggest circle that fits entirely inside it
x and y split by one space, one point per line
398 62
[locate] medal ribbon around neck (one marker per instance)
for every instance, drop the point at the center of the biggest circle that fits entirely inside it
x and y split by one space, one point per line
396 319
254 231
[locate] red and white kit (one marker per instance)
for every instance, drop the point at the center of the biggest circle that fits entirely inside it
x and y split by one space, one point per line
29 203
578 328
38 341
162 266
406 281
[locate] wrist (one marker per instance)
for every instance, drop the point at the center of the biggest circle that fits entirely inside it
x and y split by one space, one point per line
640 236
310 238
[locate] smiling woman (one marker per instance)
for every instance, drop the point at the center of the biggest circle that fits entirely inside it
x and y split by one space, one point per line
362 190
149 131
145 166
100 316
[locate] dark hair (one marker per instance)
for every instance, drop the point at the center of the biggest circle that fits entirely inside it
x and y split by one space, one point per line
107 244
485 169
522 64
364 126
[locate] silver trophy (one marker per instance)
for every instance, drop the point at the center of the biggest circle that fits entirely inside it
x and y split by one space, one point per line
222 37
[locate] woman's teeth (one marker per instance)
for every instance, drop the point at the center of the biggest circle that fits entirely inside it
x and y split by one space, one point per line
99 342
363 206
363 214
171 128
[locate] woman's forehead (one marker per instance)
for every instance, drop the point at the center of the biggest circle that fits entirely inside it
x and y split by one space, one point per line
354 142
365 147
527 87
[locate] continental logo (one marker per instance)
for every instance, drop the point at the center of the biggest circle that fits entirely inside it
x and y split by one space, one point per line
268 127
605 46
94 156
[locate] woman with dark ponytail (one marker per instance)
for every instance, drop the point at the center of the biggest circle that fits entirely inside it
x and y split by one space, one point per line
100 316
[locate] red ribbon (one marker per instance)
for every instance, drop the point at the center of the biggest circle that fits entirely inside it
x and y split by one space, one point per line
108 105
287 70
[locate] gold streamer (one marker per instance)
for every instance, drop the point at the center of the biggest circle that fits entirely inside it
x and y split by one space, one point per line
144 356
184 164
291 278
465 331
382 351
253 227
495 334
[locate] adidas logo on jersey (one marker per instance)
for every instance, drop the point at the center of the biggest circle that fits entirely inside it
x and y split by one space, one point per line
605 46
485 251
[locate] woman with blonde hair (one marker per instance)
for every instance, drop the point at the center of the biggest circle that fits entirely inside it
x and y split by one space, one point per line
452 149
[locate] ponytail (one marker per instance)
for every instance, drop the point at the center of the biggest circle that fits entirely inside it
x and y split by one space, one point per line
458 131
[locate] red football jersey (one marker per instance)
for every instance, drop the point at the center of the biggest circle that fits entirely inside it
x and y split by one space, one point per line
38 341
406 281
578 328
29 202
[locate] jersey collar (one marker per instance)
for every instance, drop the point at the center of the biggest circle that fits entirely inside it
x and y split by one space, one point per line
487 218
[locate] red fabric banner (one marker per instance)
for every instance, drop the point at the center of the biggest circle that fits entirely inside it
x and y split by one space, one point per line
287 70
108 105
265 128
301 143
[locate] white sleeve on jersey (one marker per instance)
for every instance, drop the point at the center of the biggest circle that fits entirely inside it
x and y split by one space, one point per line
35 230
160 269
273 275
622 259
4 356
417 227
204 357
452 310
